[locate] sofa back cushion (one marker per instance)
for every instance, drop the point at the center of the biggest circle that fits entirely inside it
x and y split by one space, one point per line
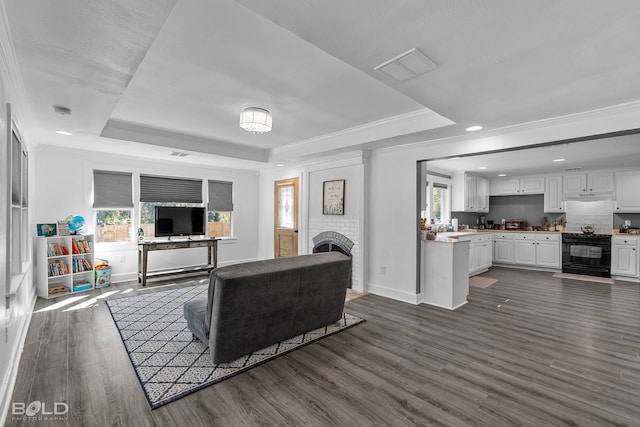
256 304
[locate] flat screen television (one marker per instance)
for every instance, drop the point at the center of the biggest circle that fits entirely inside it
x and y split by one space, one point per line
180 221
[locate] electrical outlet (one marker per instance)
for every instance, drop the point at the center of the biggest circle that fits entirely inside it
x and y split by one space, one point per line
383 269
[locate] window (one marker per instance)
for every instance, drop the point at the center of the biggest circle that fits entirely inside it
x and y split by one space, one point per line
113 204
165 191
220 208
438 200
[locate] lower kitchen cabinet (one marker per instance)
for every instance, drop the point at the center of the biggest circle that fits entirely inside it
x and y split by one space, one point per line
503 248
624 256
548 250
538 250
480 252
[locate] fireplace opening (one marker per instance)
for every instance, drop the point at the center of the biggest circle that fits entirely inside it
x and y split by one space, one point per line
331 241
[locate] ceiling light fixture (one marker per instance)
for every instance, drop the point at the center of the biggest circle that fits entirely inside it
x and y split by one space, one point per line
482 167
559 160
473 128
255 120
502 174
63 132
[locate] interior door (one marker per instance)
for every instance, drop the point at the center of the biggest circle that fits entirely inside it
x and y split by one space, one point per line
286 217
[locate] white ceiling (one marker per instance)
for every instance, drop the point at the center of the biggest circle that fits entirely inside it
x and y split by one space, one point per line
148 77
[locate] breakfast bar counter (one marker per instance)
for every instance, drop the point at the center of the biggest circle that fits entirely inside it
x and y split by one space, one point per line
443 282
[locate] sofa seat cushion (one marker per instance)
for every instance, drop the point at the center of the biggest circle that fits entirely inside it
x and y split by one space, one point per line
194 313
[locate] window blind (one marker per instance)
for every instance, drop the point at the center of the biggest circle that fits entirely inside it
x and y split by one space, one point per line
112 189
220 196
168 189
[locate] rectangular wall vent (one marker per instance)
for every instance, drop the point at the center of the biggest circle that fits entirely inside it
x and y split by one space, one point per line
579 168
179 154
406 66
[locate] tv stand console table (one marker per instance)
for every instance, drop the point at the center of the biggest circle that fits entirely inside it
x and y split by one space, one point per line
145 247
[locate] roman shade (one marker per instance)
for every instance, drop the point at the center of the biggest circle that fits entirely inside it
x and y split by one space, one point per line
168 189
112 189
220 196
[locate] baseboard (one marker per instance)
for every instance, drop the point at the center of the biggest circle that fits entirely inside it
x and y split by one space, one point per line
395 294
9 381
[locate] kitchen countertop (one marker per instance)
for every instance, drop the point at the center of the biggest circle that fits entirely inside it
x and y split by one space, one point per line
456 234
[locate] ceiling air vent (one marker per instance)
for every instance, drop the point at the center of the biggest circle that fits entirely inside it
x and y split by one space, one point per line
406 66
179 154
579 168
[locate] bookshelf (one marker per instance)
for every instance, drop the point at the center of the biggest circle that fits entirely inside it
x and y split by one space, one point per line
65 265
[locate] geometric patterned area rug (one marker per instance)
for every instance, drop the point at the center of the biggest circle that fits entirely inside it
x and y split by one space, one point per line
168 362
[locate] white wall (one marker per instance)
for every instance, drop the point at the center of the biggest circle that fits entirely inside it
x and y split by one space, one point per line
15 311
64 186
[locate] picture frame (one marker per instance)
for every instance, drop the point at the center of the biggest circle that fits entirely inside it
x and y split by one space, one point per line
47 230
333 197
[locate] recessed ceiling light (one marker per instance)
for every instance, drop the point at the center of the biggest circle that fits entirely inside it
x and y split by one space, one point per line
63 132
280 165
473 128
502 174
482 167
559 160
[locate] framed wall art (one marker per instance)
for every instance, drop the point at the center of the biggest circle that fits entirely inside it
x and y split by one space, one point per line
333 197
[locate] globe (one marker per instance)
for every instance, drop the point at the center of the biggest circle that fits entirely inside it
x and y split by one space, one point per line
76 222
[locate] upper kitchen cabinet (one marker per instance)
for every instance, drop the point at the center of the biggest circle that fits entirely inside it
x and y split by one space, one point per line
592 182
553 194
517 186
469 193
627 194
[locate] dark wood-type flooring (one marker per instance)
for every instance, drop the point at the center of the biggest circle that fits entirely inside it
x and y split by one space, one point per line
530 350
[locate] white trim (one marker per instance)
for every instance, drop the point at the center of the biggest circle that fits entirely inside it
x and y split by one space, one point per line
444 306
9 381
394 294
355 158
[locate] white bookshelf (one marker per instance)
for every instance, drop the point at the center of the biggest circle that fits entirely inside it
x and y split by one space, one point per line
61 266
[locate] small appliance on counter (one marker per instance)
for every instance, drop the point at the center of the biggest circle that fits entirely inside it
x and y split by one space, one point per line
515 224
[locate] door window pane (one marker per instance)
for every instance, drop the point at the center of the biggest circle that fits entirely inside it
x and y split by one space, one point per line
285 207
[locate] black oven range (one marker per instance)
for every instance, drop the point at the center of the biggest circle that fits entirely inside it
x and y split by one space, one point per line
588 254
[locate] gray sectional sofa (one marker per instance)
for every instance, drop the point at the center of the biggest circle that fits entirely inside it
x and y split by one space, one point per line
253 305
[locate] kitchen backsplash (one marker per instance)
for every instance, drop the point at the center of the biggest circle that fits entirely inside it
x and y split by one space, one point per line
598 214
531 209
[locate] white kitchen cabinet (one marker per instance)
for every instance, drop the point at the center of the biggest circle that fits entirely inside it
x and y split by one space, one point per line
469 193
548 250
624 256
503 248
539 250
553 194
627 193
524 249
601 182
480 252
517 186
482 194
